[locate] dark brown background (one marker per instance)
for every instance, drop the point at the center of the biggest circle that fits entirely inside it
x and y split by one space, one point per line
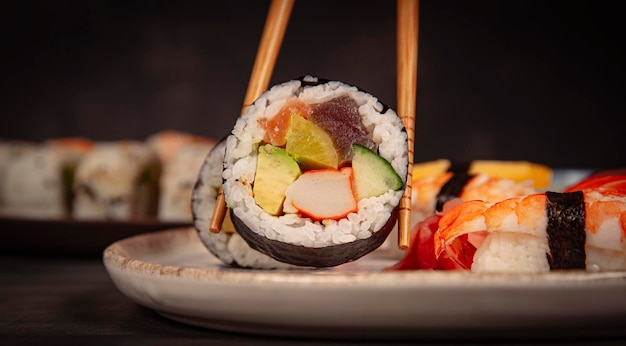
509 80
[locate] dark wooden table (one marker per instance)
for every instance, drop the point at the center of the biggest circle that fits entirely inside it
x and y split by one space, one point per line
53 300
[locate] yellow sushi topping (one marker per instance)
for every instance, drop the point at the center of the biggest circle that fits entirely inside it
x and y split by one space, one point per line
519 171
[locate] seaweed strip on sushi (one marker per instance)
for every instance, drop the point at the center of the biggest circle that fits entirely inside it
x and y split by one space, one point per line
314 171
226 245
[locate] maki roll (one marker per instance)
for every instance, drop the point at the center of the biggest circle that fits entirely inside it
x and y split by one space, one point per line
314 171
178 179
10 151
117 180
38 178
226 245
166 143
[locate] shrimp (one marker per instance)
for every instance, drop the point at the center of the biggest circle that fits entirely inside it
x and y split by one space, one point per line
582 229
431 192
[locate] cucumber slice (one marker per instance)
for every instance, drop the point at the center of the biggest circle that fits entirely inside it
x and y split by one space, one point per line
373 175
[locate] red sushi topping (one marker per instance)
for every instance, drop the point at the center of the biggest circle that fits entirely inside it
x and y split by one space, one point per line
276 128
421 252
608 183
339 117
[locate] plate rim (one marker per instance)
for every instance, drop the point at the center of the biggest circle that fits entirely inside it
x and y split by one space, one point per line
414 310
116 256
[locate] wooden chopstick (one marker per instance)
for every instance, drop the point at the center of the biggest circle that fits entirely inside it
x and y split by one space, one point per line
407 37
271 40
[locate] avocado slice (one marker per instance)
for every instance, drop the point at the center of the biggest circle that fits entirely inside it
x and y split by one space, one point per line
275 171
373 175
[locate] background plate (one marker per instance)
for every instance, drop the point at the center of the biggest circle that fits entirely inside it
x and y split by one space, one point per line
71 238
172 273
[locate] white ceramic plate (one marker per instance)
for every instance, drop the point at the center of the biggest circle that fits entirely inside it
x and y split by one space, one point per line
172 273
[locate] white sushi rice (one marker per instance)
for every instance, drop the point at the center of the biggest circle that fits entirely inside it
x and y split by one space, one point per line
602 259
513 253
386 130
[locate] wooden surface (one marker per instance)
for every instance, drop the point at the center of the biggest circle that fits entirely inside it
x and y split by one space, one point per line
65 301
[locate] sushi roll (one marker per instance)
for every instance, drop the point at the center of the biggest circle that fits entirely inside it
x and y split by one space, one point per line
226 245
314 171
10 150
38 180
117 180
166 143
581 228
179 176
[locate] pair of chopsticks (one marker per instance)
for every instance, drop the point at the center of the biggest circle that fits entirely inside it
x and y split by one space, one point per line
272 38
407 36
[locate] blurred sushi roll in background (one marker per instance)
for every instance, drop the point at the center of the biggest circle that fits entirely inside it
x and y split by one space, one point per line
76 177
119 181
9 151
37 177
314 171
178 178
166 143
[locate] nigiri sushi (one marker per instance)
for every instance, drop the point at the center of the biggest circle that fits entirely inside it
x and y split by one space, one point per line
576 229
431 193
314 171
520 171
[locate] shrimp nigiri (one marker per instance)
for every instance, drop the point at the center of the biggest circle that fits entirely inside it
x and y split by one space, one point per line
580 228
431 193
